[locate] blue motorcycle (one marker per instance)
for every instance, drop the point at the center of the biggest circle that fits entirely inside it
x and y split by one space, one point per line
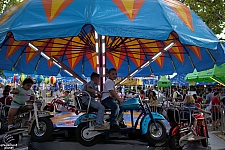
151 125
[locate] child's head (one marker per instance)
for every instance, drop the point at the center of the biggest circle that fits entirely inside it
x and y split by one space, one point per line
95 77
27 83
189 99
112 73
6 93
7 87
66 92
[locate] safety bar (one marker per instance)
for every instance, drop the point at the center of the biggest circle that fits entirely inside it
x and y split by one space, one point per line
180 110
89 102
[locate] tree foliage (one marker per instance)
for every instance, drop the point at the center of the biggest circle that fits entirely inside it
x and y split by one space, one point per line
212 12
6 4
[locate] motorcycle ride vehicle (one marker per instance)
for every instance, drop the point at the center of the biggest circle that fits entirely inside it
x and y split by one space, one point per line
181 130
151 125
59 105
37 121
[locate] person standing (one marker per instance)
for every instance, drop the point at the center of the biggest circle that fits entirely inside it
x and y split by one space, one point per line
176 95
216 115
184 94
209 96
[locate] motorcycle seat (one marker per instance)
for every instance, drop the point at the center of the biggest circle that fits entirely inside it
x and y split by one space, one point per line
25 108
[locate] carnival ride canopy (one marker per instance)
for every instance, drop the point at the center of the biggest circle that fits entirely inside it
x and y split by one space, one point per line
39 36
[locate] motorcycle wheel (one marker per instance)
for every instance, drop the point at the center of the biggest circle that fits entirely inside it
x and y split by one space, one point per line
153 136
45 132
204 142
174 142
84 141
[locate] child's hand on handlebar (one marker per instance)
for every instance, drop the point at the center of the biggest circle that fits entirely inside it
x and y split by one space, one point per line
121 100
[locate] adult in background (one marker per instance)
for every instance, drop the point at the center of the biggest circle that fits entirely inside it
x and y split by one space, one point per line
216 115
209 96
176 95
184 94
200 99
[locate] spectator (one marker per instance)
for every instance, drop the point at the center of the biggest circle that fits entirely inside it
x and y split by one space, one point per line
209 96
195 97
152 97
6 99
142 94
200 99
176 95
184 94
216 115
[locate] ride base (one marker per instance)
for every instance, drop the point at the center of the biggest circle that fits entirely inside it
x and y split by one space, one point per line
67 120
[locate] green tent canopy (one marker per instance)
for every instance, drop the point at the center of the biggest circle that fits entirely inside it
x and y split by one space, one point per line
192 77
164 82
217 73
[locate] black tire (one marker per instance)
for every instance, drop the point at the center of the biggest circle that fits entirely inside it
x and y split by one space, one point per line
154 137
46 130
82 140
204 142
174 142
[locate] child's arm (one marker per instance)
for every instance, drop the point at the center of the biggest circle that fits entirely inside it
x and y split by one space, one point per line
15 91
204 111
113 93
91 90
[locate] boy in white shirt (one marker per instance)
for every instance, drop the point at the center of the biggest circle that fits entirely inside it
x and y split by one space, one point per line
109 97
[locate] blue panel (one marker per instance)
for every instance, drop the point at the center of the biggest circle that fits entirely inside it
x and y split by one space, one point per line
146 119
79 120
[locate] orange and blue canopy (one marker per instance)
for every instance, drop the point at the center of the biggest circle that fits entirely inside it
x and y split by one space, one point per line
134 30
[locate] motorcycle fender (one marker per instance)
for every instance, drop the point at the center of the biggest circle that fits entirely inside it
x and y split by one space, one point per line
146 119
82 118
174 131
42 114
30 124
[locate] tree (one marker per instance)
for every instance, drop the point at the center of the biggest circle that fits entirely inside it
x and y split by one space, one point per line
212 12
6 4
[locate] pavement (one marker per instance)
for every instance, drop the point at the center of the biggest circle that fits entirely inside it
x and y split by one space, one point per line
216 142
219 134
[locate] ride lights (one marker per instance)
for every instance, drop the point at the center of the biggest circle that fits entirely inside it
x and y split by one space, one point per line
68 72
57 64
145 64
79 80
33 47
156 56
134 73
170 45
123 80
149 61
45 56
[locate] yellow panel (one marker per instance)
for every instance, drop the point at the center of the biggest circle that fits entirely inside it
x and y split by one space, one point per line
55 6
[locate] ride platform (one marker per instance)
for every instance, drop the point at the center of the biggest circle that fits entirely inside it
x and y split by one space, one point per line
67 120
